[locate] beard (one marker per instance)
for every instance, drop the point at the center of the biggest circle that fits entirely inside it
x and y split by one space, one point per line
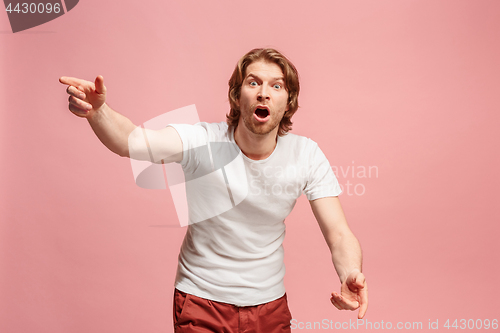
260 128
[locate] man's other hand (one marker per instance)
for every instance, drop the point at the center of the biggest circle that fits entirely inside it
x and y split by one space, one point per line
353 294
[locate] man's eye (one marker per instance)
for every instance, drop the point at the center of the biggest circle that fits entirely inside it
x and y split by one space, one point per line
277 86
253 83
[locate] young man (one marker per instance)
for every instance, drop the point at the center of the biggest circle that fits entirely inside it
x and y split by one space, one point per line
230 271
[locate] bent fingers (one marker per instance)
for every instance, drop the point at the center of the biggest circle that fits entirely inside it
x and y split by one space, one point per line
345 303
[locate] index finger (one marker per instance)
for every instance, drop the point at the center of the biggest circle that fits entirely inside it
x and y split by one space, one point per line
73 81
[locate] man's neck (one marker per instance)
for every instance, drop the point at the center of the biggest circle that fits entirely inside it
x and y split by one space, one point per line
255 146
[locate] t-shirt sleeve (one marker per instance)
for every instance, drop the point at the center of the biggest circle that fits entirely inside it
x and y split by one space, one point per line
321 181
194 142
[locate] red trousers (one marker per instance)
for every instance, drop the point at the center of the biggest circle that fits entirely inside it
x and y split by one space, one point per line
195 314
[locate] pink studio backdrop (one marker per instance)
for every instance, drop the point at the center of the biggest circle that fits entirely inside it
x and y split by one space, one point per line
406 91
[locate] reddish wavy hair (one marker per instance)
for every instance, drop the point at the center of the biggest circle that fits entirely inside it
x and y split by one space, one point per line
292 86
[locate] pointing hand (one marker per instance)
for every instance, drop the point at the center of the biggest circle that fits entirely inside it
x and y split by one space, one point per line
85 97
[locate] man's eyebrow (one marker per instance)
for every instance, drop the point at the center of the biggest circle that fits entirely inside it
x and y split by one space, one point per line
282 78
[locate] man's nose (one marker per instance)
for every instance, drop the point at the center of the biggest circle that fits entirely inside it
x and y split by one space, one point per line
263 92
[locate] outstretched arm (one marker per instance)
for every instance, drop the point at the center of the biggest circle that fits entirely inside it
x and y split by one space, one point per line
88 100
346 255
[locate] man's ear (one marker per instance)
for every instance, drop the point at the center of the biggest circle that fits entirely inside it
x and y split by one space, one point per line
288 104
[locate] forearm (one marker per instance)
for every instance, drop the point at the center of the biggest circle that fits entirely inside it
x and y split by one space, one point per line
346 254
345 249
112 128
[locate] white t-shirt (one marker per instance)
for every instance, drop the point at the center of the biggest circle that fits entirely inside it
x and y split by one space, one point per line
234 254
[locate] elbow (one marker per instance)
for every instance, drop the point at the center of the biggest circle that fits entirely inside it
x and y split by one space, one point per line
124 154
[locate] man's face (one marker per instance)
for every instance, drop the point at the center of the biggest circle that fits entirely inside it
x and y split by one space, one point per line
263 99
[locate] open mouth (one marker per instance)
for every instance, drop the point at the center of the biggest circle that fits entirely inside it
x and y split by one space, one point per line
261 113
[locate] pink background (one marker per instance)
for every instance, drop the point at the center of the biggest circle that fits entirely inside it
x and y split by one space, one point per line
408 87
